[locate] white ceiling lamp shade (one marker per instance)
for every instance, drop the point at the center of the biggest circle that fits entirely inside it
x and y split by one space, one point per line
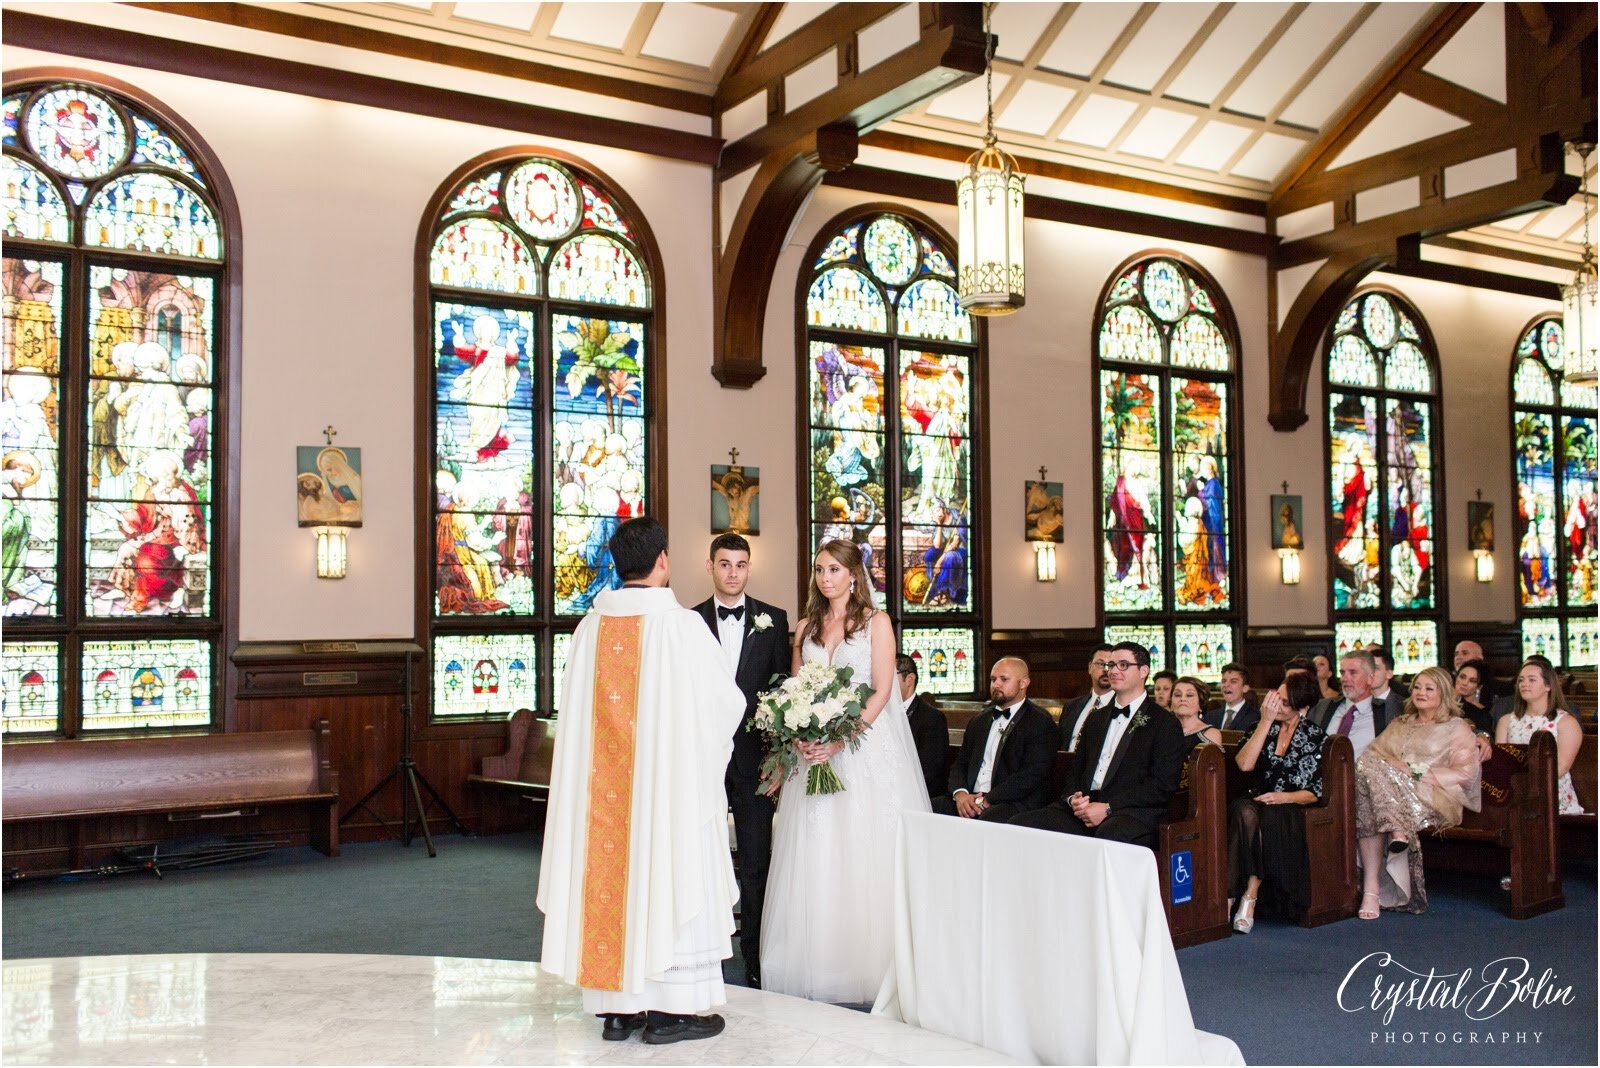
1580 302
991 276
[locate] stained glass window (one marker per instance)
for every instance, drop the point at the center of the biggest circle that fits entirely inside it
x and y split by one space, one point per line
540 352
1353 637
114 267
1553 427
1151 636
30 678
890 363
1383 538
1166 384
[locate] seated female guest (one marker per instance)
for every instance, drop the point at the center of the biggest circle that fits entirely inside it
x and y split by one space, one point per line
1161 684
1539 705
1418 774
1266 836
1470 679
1189 699
1327 680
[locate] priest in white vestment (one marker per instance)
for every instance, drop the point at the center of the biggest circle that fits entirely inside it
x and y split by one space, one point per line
635 881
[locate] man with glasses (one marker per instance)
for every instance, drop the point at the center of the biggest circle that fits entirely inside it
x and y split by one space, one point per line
1128 762
1076 713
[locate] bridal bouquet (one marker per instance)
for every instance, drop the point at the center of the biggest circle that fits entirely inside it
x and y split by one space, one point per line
820 704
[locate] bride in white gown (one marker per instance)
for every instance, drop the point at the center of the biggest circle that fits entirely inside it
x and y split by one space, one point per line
826 929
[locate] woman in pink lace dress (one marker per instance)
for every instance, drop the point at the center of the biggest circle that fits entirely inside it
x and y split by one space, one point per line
1420 773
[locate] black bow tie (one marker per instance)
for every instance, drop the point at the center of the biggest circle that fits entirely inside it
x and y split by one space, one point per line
1119 711
1002 714
730 613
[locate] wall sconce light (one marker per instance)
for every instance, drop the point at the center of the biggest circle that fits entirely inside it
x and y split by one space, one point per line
1289 566
331 552
1483 564
1044 561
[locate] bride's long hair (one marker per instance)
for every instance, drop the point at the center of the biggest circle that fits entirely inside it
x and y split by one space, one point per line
859 609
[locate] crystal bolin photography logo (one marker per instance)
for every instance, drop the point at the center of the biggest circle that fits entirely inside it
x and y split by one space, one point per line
1380 984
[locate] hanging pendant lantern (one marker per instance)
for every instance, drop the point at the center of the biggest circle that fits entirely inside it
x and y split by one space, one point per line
1580 303
990 230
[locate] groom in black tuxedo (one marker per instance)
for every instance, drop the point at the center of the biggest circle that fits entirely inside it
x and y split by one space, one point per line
755 637
1129 759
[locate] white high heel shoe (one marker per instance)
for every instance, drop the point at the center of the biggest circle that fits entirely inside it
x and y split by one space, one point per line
1245 920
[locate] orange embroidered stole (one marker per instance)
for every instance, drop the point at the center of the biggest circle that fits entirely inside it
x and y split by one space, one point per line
606 850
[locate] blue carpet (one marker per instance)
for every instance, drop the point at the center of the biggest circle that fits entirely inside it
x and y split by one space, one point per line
1274 992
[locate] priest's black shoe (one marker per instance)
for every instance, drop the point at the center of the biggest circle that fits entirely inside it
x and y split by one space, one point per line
665 1027
752 977
619 1025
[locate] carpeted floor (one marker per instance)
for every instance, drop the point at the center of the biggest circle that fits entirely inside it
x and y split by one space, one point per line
1274 992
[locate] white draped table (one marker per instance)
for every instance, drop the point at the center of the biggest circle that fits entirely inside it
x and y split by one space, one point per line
1049 948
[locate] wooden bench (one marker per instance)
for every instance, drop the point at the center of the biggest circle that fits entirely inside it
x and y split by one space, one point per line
524 768
1578 830
192 777
1330 830
1519 834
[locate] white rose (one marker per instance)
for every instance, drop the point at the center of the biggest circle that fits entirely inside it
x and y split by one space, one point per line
828 711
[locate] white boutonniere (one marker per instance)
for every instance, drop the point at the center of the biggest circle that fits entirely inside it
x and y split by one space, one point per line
1138 721
763 622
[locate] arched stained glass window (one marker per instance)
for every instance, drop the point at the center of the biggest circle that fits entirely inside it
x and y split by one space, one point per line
1553 424
891 443
115 285
540 350
1382 390
1166 352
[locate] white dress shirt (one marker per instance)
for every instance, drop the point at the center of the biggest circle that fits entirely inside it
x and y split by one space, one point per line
730 631
1108 749
1362 730
991 746
1096 700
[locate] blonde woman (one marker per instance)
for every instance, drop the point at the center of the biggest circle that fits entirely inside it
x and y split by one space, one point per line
1419 774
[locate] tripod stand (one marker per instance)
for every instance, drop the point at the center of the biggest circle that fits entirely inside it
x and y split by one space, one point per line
412 783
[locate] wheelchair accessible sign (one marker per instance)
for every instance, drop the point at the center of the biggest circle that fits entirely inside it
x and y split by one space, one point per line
1182 877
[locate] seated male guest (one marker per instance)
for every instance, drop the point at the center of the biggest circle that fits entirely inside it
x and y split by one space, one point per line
1006 755
1076 712
1238 712
1129 760
1354 713
1385 687
928 727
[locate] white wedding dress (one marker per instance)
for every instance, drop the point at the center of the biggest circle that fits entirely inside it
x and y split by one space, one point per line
827 930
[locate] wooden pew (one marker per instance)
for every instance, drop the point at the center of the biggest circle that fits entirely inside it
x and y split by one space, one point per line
524 768
199 777
1330 830
1519 834
1578 831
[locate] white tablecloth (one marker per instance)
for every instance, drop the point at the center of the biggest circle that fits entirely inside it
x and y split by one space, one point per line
1049 948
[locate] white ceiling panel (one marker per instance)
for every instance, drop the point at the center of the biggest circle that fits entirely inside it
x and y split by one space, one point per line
1225 51
966 102
1476 56
1305 38
1557 221
604 25
1098 120
1406 120
1215 145
1035 107
511 16
1082 43
1157 133
1359 58
1268 157
1018 27
791 18
688 33
1157 44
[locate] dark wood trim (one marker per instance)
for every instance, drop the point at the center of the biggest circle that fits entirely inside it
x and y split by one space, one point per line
1476 278
749 45
831 29
1385 614
1297 342
227 359
951 51
941 191
544 623
27 30
1462 244
328 31
1066 172
1448 96
285 669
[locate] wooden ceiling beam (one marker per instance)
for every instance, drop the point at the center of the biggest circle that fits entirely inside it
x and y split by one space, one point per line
749 46
796 50
1445 95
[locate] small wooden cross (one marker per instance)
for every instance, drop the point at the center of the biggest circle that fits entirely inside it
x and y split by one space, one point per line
1480 493
329 433
733 457
1041 472
1285 485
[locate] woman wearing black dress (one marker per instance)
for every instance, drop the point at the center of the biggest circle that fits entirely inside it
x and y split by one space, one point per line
1266 835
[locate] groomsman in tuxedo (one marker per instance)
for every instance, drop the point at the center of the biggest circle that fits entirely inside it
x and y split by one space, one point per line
929 728
1130 757
1238 712
755 640
1006 755
1354 713
1076 712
